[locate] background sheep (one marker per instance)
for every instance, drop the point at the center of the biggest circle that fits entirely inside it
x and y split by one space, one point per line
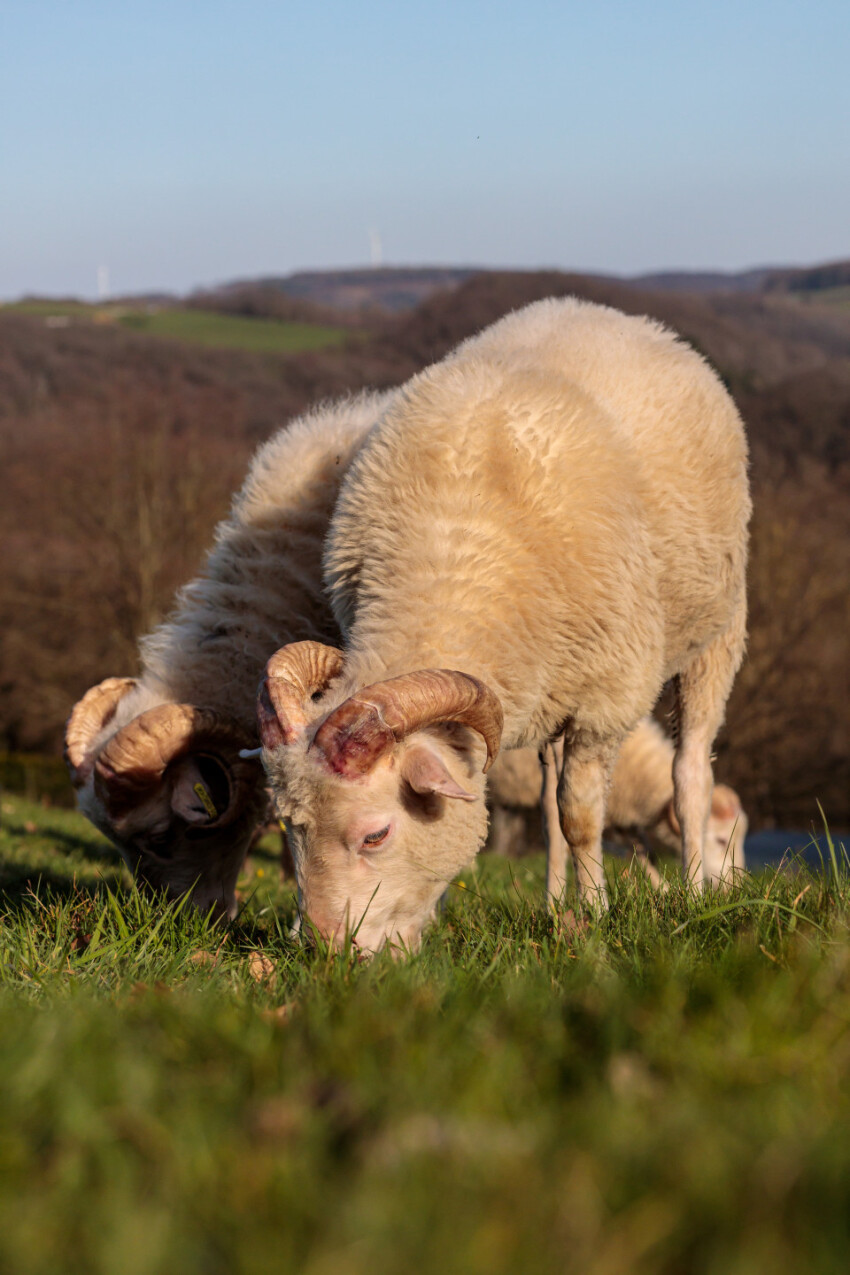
155 760
639 804
557 516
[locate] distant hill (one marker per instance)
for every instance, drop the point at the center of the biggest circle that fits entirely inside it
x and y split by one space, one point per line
703 281
835 274
391 289
395 290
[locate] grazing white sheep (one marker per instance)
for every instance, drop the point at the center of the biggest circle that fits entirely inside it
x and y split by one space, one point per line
639 803
156 760
541 531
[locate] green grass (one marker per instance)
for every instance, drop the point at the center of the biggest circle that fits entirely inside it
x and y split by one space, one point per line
667 1090
194 327
838 296
224 331
45 308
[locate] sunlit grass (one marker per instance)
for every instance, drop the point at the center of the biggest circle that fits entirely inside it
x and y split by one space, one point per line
666 1089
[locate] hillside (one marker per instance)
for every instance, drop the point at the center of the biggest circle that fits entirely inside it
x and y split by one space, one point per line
395 289
793 279
390 289
119 451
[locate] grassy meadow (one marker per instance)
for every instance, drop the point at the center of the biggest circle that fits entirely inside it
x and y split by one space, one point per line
664 1090
234 332
839 296
192 326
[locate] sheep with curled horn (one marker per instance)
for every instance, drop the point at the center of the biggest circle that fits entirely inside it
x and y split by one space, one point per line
541 531
639 809
157 761
260 586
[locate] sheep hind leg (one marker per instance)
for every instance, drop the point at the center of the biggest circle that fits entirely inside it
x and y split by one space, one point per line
582 793
702 691
551 762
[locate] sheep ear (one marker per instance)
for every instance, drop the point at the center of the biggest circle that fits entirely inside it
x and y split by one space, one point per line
670 816
193 796
425 772
725 803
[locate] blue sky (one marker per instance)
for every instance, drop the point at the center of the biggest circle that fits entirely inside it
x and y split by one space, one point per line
181 144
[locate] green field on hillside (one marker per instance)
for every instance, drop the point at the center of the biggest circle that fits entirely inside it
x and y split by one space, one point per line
198 327
228 331
839 296
45 308
664 1090
836 296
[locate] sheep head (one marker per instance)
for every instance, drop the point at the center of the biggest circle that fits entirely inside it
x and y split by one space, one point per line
169 789
725 833
383 796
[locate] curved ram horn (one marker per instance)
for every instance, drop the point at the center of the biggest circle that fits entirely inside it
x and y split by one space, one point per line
87 720
293 674
369 723
130 768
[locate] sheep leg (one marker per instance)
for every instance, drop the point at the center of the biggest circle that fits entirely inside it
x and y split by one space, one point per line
582 791
506 832
551 762
702 691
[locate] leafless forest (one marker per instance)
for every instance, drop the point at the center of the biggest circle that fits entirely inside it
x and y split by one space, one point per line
119 452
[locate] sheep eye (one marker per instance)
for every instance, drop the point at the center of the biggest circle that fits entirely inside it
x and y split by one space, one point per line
375 838
160 844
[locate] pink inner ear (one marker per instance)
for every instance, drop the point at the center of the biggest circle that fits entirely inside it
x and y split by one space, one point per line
724 802
271 731
425 772
670 815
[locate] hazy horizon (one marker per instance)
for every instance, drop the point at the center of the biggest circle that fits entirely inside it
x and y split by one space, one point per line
211 284
180 148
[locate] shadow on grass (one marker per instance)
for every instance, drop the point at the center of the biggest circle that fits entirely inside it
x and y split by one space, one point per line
18 883
93 851
261 850
23 890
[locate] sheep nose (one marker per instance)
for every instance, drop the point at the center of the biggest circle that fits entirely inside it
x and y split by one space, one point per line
316 924
219 908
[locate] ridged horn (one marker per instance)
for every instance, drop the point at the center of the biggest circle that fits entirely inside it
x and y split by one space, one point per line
369 723
87 719
131 766
293 674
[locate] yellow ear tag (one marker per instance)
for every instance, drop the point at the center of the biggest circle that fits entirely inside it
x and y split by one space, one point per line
207 800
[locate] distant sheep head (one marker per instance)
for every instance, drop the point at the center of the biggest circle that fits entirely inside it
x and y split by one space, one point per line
362 793
170 790
724 837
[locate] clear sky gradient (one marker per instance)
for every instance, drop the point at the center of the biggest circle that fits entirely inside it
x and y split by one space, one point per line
183 143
